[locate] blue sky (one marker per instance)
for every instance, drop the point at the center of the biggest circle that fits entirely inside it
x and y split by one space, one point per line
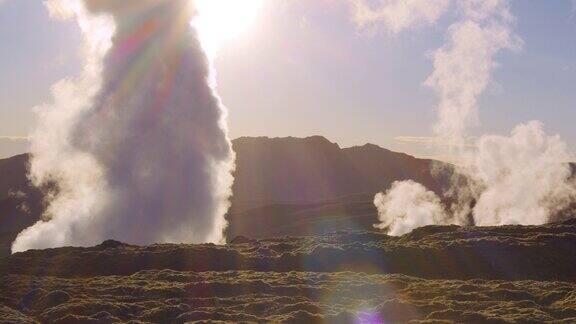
305 69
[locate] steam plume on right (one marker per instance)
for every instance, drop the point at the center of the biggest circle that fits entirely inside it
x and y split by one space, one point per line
522 178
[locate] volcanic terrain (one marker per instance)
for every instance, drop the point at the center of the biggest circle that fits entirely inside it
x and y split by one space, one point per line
301 249
508 274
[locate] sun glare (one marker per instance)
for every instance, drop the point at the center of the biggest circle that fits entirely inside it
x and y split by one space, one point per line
222 20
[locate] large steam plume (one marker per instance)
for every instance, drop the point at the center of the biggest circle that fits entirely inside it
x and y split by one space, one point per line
408 205
523 176
520 179
137 146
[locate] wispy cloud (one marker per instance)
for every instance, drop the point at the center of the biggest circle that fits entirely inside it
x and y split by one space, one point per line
397 15
430 140
418 139
14 138
61 9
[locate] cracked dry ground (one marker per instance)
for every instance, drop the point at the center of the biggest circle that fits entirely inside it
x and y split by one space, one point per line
447 274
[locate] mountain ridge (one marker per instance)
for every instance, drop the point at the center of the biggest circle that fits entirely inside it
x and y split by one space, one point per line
319 170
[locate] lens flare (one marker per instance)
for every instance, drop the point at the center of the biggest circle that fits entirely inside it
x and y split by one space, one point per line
221 20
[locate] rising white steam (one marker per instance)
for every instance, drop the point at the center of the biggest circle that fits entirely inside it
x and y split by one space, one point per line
521 179
524 179
464 65
137 145
408 205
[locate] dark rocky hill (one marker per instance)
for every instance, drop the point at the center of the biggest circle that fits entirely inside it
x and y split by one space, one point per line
311 170
20 203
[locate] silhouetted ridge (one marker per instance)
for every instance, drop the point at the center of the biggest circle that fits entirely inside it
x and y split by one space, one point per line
313 169
111 244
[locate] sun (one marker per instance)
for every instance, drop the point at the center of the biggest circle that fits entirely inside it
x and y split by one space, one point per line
222 20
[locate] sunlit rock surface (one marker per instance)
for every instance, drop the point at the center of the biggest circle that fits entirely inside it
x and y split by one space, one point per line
510 274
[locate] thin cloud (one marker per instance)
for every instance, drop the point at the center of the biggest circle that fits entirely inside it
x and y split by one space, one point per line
14 138
430 140
397 15
418 139
61 9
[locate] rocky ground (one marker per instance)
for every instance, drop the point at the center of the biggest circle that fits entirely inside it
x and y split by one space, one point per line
510 274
